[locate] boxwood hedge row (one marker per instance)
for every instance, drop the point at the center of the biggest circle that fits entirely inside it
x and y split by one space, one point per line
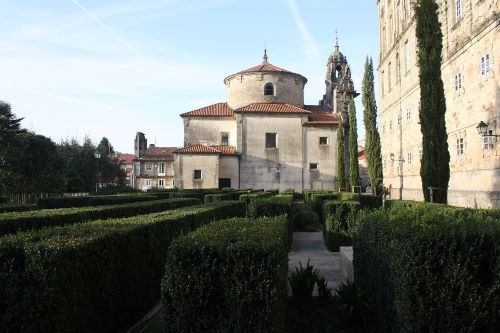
427 268
339 222
14 207
92 277
229 276
218 197
271 206
66 202
15 222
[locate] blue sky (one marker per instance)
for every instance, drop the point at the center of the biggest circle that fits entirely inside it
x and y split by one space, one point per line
112 68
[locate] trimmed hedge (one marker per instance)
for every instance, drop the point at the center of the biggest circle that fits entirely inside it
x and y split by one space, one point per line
308 193
218 197
273 206
14 222
340 221
427 268
14 207
92 277
229 276
67 202
366 200
3 200
316 200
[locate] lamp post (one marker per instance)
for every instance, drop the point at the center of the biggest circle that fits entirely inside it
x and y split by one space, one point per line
401 161
97 155
482 129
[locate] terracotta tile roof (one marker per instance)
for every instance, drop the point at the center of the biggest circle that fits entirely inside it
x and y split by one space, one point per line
361 154
320 115
126 158
264 68
271 108
214 110
202 149
159 153
226 150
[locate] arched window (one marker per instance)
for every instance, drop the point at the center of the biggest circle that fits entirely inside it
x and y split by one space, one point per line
269 89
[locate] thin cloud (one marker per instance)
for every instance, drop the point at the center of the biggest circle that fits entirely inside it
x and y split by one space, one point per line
313 47
106 27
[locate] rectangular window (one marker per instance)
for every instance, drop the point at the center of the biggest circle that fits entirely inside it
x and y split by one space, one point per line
409 158
224 139
390 126
421 153
149 166
460 146
161 182
399 119
488 141
323 140
173 182
389 77
458 10
408 113
161 168
270 140
458 81
313 166
197 174
148 182
485 64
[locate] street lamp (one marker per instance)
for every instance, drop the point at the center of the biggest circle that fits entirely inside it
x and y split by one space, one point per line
482 129
401 161
97 155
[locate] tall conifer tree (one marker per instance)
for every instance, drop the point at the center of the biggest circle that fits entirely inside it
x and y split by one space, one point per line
340 157
435 168
372 137
353 145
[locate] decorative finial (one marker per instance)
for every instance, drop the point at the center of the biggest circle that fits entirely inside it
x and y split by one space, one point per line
264 59
336 39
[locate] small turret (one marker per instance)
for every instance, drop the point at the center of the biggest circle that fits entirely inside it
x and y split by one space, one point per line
140 145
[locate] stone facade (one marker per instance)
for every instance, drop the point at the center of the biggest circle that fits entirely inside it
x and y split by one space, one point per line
470 39
153 166
264 136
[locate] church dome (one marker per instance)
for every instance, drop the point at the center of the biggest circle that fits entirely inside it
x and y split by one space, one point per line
265 83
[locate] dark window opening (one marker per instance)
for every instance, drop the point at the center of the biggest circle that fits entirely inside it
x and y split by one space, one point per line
269 89
270 140
313 166
323 140
197 174
224 139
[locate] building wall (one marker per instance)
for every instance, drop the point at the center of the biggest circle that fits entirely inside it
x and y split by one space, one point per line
208 131
474 174
187 163
141 174
270 168
229 168
324 155
248 88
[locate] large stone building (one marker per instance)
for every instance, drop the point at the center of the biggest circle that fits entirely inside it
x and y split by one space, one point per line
153 166
264 136
470 61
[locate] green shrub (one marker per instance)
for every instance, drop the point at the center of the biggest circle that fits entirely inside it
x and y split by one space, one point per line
273 192
366 200
14 207
3 200
111 190
67 202
218 197
229 276
272 206
14 222
248 198
427 268
304 219
99 276
316 201
340 221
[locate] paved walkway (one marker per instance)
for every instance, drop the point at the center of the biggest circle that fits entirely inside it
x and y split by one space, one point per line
311 246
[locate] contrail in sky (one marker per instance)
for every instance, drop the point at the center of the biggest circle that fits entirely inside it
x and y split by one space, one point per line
299 21
107 28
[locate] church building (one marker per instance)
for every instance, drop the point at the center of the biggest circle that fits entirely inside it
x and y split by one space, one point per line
264 136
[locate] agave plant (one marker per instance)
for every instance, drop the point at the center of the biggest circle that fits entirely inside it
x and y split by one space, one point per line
302 281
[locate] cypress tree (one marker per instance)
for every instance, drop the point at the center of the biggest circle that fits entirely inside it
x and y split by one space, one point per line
435 168
372 147
353 145
340 157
